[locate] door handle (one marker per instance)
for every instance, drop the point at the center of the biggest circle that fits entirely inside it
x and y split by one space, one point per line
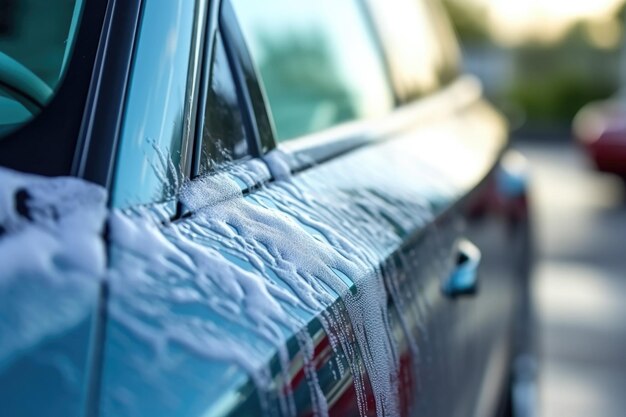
464 278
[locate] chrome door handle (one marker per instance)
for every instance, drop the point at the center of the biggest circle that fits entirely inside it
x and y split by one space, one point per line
464 278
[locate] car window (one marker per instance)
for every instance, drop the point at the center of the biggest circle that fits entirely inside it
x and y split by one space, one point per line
421 51
36 38
318 61
150 152
223 134
450 66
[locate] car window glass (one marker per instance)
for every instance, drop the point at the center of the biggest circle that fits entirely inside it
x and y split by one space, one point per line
223 134
318 60
149 158
417 58
36 38
450 66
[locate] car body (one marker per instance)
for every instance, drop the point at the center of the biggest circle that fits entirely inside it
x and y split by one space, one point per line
599 127
246 209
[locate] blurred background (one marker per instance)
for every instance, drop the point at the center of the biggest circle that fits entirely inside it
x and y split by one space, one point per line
541 62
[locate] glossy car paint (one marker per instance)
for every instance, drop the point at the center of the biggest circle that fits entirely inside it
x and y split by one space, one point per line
453 340
608 151
444 345
454 355
600 129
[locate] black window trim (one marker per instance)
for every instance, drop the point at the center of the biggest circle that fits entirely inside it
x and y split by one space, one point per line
214 29
97 158
196 91
208 48
96 154
256 111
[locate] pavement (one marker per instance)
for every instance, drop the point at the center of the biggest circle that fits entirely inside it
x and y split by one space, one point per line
579 283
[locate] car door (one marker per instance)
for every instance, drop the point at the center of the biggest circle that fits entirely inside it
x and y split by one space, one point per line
179 336
316 277
457 139
489 213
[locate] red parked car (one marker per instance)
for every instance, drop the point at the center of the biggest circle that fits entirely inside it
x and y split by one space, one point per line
601 128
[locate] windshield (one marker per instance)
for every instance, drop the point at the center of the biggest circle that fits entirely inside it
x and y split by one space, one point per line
36 39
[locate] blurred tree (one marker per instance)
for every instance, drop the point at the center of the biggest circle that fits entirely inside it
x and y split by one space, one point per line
469 20
550 81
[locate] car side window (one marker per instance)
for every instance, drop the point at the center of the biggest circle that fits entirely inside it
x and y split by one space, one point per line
422 55
36 42
224 137
151 140
318 61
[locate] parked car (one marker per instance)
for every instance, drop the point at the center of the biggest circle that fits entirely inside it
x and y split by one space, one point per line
245 208
600 128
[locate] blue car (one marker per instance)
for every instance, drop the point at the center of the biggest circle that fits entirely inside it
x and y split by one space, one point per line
255 208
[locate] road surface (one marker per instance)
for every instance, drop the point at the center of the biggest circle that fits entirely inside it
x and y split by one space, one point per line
580 283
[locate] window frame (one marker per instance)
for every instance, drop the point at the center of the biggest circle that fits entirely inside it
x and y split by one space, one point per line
214 33
96 152
257 122
189 100
255 110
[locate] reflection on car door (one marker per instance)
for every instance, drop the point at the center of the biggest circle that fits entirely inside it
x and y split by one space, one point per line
312 281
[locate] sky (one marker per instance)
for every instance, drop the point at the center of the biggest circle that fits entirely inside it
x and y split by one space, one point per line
514 21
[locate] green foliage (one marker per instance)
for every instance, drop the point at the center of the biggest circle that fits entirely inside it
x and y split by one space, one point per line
468 20
550 82
558 96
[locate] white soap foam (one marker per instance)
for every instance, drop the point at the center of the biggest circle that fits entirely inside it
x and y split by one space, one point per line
257 265
52 257
237 278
